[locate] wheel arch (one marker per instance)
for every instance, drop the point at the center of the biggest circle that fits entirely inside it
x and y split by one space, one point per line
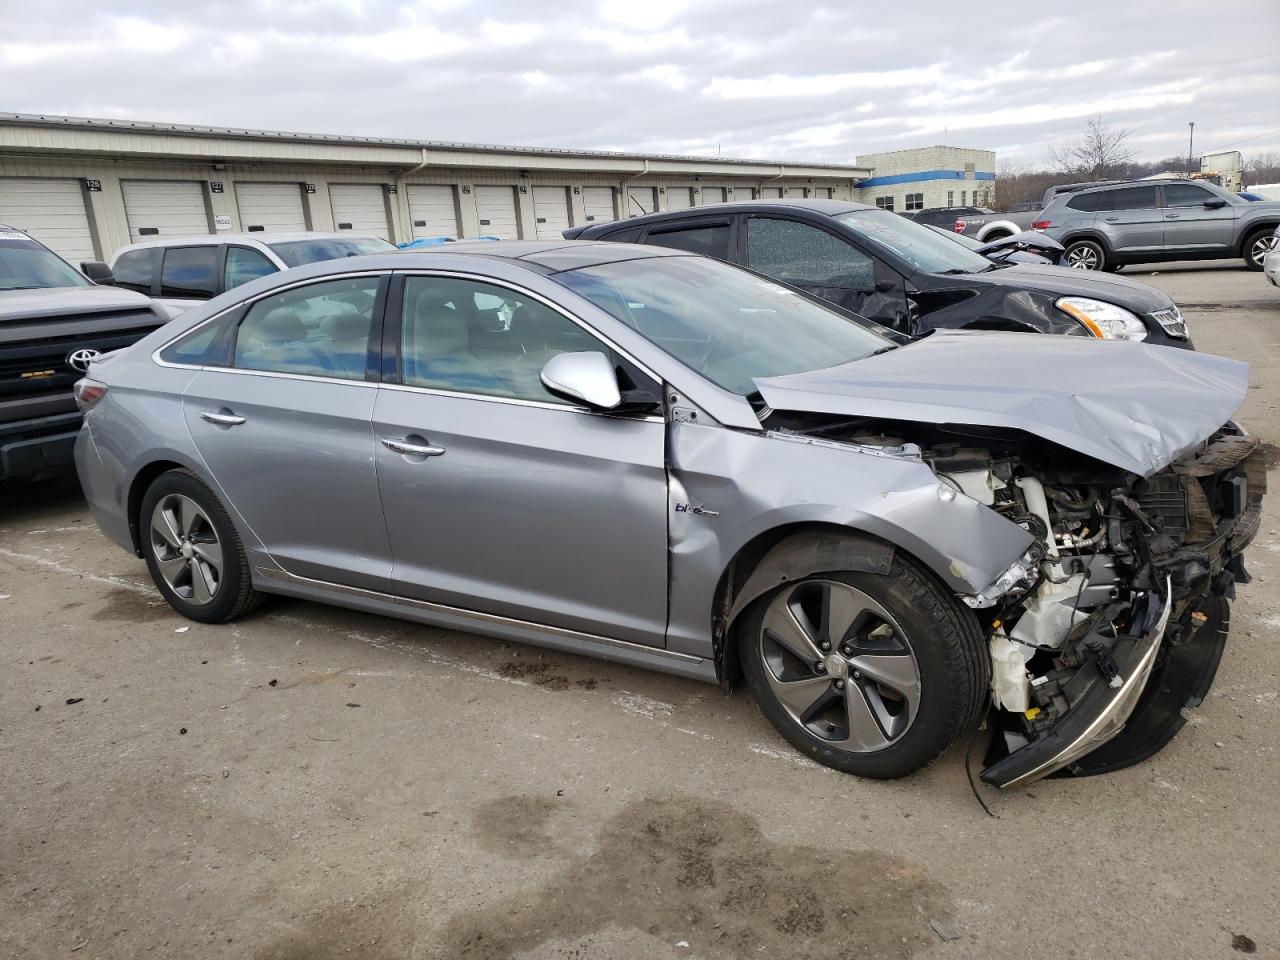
1002 228
1093 235
1258 226
777 556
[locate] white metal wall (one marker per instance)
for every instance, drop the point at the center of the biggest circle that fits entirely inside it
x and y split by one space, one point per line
360 208
679 198
50 210
164 208
597 204
496 211
270 206
433 210
551 212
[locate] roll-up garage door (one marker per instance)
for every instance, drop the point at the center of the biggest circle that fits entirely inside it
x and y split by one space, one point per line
360 208
770 193
597 203
822 193
164 208
52 211
796 193
551 211
679 198
270 206
433 211
742 193
641 200
496 210
712 195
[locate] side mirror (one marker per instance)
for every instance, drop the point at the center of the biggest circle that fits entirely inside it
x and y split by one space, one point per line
97 271
1217 204
587 378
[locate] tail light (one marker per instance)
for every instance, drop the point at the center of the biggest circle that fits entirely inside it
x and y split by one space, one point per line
1040 224
960 225
88 393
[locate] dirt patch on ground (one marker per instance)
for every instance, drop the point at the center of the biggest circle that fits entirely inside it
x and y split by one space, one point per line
370 928
537 671
702 872
516 825
1270 454
129 606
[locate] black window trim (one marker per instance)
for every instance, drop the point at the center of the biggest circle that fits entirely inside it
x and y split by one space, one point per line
695 221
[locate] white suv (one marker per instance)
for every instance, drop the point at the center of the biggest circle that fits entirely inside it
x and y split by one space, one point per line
181 272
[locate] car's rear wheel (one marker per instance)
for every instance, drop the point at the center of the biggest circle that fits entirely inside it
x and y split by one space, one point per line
871 674
1257 245
1085 255
192 550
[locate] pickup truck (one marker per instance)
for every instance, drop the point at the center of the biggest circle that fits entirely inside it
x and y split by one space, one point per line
53 323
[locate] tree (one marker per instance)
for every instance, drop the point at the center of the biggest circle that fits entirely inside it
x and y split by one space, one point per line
1263 167
1096 153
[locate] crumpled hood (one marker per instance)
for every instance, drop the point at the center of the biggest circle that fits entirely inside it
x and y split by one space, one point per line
1134 406
1124 292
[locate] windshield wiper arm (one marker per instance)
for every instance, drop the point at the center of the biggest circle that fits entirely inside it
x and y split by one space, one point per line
885 349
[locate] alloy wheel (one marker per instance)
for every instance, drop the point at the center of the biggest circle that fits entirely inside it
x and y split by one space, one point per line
840 666
187 550
1083 258
1261 247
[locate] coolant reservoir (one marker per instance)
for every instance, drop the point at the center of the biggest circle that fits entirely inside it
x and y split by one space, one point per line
1010 686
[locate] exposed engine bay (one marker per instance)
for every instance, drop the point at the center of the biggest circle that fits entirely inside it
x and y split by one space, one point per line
1115 618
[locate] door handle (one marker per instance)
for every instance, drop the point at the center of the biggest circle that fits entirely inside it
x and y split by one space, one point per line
221 419
1172 216
411 449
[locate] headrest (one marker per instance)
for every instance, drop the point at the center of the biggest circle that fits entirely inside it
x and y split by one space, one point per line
438 329
282 325
351 324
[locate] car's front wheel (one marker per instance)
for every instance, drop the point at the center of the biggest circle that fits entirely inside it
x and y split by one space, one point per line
871 674
1085 255
192 550
1256 247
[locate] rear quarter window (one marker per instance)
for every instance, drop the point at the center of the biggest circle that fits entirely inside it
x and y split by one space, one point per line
631 235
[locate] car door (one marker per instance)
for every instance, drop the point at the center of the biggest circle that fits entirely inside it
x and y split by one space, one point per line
189 275
500 498
1197 220
286 428
1132 219
827 266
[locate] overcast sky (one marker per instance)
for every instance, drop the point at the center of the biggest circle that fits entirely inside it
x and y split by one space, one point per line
754 78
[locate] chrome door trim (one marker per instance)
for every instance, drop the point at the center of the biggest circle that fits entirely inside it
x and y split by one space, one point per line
516 401
476 616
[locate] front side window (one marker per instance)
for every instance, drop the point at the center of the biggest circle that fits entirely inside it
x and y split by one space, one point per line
466 336
26 265
189 273
803 255
709 239
133 269
321 330
915 243
243 265
727 324
1185 195
297 252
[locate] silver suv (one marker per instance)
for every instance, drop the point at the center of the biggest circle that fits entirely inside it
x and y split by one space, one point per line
1106 227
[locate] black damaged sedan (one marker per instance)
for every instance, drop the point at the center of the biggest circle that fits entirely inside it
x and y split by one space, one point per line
886 268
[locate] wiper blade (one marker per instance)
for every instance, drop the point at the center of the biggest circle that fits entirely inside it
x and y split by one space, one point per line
885 349
955 271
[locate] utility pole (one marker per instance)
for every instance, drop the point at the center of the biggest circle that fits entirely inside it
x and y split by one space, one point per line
1191 141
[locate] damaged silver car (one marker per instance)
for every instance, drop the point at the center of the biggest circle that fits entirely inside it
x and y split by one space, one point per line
663 460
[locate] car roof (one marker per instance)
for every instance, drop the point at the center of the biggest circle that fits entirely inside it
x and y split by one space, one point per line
830 208
258 236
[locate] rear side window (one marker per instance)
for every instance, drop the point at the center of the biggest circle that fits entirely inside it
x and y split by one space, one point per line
244 265
189 273
1091 202
805 256
321 330
133 269
711 239
1135 198
200 347
1185 195
623 236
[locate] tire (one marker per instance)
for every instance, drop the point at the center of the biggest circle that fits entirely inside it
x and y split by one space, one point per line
870 726
193 551
1257 245
1085 255
995 235
1113 267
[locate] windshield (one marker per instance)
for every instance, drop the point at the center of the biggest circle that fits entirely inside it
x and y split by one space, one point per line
914 242
25 265
729 325
297 252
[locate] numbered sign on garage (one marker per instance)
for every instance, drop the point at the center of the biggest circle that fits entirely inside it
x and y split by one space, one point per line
597 202
270 206
164 208
641 200
52 211
496 210
551 211
360 208
433 211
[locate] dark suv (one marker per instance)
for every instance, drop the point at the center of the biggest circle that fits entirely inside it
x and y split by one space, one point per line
901 274
1146 221
53 324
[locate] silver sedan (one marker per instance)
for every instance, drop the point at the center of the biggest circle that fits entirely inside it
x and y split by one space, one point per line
661 459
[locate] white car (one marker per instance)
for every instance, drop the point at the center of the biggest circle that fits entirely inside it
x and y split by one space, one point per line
1271 262
181 272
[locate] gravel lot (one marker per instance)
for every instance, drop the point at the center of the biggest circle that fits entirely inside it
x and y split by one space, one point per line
314 783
